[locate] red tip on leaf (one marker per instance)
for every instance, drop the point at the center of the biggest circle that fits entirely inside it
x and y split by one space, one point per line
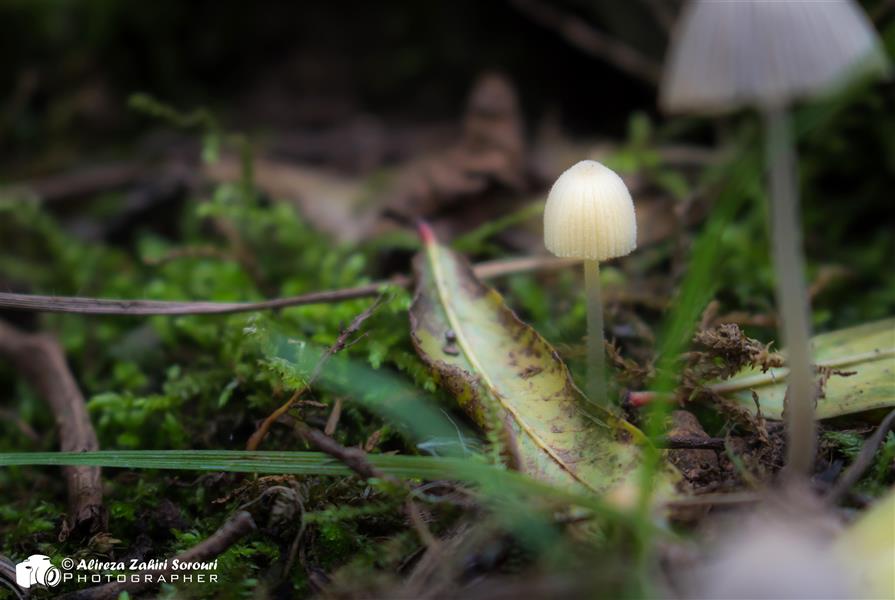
425 232
640 399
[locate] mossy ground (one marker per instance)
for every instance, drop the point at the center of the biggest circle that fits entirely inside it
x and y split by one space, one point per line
205 382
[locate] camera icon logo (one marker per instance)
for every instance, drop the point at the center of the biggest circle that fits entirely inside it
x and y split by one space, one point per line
37 570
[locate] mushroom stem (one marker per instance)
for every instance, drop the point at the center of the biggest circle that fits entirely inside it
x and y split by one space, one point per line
792 298
596 354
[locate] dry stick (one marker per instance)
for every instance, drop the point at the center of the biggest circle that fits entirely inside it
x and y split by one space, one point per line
104 306
8 577
353 458
580 34
234 529
356 460
41 361
863 461
258 436
341 342
296 543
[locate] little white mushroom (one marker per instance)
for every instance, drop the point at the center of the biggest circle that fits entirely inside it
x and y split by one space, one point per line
590 215
728 55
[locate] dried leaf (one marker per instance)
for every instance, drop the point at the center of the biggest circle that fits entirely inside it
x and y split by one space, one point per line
506 376
856 367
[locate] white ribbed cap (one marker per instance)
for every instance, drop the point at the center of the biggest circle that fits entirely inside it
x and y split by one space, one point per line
589 214
725 55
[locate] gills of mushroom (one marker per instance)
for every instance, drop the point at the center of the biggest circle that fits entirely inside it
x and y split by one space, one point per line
590 215
729 55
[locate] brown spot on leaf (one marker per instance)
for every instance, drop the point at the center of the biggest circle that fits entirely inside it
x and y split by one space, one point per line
530 371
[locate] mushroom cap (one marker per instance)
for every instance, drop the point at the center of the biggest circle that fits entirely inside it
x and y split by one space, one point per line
725 55
589 214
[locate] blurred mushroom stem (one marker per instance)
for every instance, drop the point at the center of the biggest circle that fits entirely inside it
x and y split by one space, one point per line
596 354
792 297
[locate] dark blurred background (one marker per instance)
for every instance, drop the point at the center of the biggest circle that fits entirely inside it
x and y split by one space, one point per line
357 87
69 67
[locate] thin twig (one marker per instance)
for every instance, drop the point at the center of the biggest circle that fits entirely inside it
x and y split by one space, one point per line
865 458
353 458
341 342
8 577
296 542
261 432
104 306
40 359
596 43
234 529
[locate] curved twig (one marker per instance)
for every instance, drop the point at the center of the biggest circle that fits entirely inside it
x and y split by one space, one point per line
40 359
234 529
340 344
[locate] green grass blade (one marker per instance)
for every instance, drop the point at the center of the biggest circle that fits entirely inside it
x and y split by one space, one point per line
494 482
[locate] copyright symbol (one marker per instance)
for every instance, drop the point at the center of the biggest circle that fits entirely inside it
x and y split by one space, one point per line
67 564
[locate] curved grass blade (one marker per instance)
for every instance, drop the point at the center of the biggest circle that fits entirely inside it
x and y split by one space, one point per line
411 411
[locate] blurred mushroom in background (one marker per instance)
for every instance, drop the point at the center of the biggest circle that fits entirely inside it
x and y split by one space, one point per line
767 55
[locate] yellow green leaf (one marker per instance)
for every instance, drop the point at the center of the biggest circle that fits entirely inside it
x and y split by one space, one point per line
867 350
505 375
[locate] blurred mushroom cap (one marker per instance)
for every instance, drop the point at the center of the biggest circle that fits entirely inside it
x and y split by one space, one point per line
589 214
773 561
751 52
782 549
